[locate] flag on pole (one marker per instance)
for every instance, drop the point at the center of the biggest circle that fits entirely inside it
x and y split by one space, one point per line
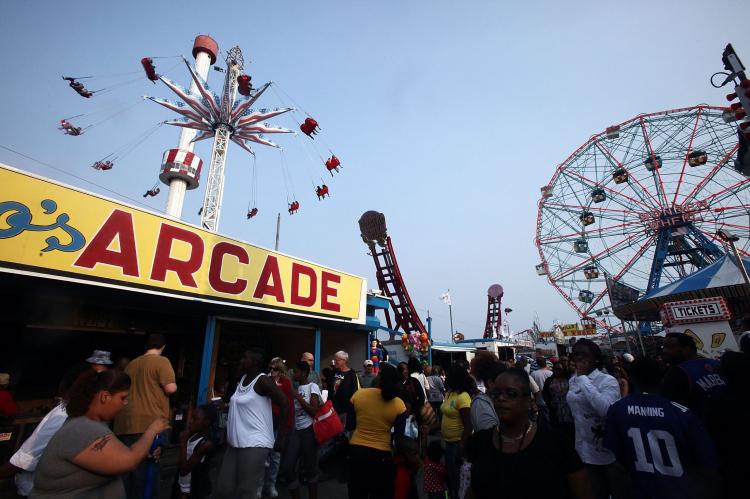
446 298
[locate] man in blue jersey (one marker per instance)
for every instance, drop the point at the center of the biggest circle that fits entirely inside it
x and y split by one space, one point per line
662 444
691 380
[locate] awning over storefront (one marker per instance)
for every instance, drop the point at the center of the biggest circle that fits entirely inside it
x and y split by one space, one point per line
452 347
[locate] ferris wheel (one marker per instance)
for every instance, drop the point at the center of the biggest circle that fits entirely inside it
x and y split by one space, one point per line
641 203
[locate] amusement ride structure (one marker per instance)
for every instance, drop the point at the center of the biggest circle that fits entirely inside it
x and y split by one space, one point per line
204 114
208 115
640 204
390 281
493 324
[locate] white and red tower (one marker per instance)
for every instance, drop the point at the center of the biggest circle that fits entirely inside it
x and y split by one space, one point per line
181 168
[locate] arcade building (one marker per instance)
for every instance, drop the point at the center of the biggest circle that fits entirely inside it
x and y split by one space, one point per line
79 272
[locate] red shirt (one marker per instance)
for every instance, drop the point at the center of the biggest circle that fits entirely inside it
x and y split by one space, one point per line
8 407
286 387
434 476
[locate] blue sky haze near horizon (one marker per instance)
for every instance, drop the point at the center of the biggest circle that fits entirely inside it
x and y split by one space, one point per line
447 117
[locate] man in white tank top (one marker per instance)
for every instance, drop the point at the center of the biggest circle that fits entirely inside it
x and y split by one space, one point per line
250 429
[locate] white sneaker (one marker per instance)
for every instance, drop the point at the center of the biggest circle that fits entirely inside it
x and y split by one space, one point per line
259 494
272 492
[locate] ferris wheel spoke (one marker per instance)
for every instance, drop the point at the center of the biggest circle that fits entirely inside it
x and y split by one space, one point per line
588 233
710 176
604 253
684 162
653 157
609 154
590 208
644 247
727 192
609 189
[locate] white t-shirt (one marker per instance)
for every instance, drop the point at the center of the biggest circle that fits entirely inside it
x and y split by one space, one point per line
302 419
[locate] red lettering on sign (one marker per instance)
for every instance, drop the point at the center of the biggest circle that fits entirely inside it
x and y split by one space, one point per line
217 260
296 299
326 292
270 271
163 261
119 225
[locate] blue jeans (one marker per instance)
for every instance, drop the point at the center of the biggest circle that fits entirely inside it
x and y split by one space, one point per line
148 471
273 463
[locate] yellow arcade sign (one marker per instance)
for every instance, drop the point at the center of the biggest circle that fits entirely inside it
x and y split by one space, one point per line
62 232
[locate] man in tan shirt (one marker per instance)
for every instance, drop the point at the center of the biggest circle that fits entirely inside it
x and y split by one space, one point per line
152 381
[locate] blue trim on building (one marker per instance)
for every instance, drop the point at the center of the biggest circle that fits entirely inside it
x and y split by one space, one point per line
208 351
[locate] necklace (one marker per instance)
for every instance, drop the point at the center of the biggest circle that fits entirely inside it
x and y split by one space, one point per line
509 440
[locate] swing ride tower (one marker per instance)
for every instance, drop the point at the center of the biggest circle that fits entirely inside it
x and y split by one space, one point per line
180 168
205 115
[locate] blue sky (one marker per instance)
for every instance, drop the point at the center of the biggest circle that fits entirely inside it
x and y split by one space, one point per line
447 116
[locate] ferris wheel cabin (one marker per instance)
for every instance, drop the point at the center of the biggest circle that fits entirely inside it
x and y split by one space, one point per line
697 158
653 163
598 195
581 246
590 272
620 176
587 218
585 296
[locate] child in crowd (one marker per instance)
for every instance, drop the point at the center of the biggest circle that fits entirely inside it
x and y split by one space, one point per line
434 472
407 464
196 448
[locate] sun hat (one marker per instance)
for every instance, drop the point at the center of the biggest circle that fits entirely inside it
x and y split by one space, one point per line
101 357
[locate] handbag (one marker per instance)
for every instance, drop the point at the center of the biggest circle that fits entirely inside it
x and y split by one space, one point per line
326 423
427 416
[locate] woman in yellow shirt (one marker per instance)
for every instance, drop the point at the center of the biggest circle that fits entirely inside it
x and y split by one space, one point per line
456 424
376 410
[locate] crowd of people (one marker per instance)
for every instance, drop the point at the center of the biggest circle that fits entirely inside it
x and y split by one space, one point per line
582 426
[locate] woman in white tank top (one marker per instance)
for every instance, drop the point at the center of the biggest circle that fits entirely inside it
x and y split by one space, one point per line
250 429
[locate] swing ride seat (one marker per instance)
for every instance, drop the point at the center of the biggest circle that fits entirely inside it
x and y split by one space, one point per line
103 165
150 69
243 85
293 207
332 164
322 192
309 127
152 192
252 213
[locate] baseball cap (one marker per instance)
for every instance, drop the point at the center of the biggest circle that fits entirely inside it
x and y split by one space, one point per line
368 362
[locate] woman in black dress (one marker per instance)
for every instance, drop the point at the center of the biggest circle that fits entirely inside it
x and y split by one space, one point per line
518 455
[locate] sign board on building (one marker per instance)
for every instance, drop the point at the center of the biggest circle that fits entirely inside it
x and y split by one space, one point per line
620 294
712 339
52 230
712 309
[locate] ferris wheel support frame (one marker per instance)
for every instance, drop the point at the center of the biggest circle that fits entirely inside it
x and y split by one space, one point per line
679 224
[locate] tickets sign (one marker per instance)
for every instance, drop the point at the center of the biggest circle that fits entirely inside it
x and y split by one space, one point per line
695 311
61 232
